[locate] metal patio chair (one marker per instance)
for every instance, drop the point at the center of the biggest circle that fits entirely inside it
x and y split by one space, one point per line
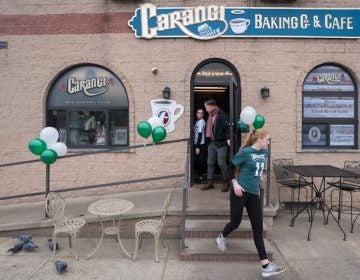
348 185
290 180
154 227
54 207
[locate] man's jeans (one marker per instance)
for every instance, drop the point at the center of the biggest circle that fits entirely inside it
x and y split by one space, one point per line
219 154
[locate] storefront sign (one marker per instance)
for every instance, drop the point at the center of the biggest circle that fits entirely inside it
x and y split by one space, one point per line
210 22
89 86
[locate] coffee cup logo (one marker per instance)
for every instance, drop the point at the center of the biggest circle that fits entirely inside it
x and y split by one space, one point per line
168 111
239 25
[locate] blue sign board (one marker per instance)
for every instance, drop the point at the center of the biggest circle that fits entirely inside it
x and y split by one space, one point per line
210 22
3 45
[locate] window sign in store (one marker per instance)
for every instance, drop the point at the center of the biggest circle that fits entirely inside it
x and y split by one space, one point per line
342 135
314 135
328 78
328 107
89 86
210 22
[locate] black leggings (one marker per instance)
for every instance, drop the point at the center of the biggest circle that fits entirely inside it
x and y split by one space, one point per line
253 208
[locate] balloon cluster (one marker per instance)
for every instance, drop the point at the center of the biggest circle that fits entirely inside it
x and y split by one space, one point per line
248 116
154 127
47 147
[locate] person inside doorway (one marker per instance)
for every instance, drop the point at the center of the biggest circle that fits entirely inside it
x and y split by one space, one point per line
200 146
218 138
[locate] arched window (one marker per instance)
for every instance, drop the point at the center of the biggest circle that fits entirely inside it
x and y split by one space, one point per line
329 109
89 106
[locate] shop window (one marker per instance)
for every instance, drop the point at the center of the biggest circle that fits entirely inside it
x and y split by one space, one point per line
89 106
329 109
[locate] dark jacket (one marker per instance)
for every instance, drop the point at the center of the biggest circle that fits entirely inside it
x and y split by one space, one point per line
222 129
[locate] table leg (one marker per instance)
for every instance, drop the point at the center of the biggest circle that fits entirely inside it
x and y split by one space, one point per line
120 242
312 210
100 241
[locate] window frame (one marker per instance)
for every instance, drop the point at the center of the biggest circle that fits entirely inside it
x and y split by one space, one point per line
316 121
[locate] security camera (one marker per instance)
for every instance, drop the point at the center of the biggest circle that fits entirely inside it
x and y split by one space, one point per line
154 71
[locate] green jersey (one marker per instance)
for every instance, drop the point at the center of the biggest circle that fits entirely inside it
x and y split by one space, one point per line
251 163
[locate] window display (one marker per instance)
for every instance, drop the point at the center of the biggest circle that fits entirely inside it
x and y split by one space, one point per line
88 104
329 109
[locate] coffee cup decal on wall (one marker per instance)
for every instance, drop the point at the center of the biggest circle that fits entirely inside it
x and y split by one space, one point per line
168 111
239 25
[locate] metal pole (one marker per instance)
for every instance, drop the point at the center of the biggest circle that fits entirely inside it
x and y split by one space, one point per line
268 176
185 195
47 188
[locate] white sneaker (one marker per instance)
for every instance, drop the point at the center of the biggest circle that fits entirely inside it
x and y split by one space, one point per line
272 269
221 243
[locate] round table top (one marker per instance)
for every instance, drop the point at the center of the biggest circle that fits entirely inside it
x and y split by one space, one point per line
110 207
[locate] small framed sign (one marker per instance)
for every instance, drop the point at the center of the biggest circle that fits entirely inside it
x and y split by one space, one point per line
120 136
3 45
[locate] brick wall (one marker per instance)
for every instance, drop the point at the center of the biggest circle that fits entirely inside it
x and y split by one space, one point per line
49 44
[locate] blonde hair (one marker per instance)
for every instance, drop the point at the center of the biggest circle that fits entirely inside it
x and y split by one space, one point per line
250 139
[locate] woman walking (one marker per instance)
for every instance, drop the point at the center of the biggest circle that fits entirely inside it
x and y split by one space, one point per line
250 162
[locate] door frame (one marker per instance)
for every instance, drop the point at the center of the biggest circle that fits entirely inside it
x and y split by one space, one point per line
236 102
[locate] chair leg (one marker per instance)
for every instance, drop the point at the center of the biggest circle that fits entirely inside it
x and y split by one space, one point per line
156 247
76 248
137 236
162 240
279 188
140 240
54 248
69 237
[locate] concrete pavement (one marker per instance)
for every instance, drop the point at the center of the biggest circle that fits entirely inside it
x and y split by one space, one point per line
325 257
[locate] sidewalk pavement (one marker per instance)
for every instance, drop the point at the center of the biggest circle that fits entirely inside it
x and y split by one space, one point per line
325 257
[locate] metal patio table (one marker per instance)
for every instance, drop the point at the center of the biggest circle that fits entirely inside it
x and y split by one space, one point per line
110 208
323 172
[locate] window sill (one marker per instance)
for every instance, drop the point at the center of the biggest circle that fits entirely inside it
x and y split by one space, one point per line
98 150
328 151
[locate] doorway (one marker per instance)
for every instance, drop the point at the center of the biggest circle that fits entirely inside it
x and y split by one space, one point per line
217 79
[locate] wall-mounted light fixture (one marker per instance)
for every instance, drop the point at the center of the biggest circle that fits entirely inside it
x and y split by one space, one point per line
265 92
166 92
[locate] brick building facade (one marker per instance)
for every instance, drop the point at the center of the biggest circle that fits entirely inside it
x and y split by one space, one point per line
48 38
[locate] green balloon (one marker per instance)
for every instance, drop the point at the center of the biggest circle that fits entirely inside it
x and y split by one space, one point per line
37 146
48 156
259 122
243 127
158 134
144 129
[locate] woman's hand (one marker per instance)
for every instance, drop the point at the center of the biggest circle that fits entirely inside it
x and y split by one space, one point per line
238 190
197 151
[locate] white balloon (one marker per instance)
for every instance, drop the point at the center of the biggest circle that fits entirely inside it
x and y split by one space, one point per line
248 115
155 121
49 135
60 148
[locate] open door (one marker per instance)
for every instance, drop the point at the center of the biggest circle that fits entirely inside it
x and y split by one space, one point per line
234 105
218 81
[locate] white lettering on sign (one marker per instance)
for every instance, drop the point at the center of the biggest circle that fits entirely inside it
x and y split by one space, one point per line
281 22
75 86
331 79
180 19
338 23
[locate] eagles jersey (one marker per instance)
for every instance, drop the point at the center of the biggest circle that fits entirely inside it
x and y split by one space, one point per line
252 164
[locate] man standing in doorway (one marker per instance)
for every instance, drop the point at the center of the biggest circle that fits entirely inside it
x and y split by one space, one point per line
218 138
